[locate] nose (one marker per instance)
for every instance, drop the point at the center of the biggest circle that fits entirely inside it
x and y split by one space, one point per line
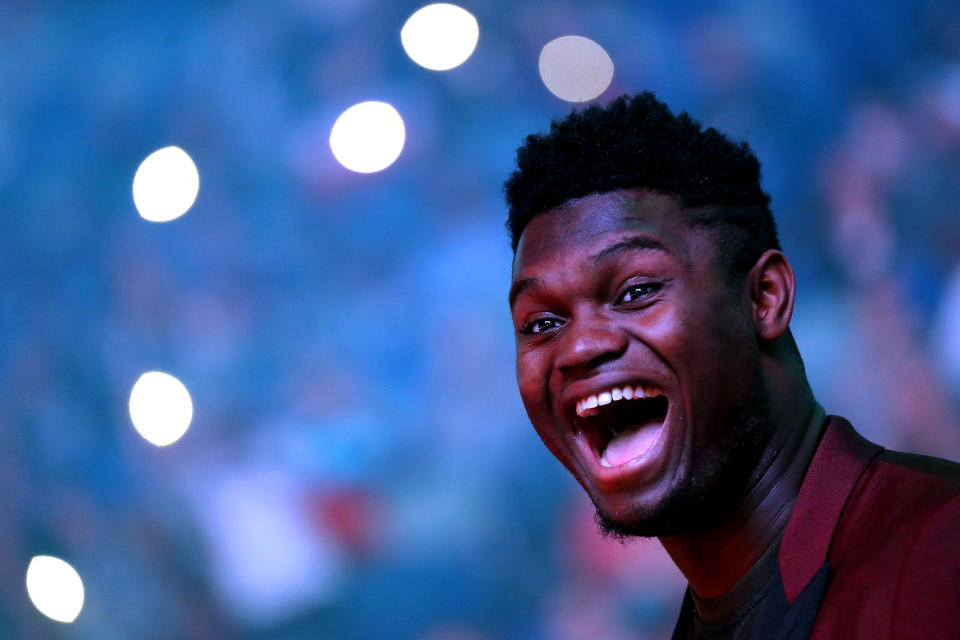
590 343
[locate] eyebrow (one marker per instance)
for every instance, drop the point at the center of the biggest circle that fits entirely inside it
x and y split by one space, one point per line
520 286
632 243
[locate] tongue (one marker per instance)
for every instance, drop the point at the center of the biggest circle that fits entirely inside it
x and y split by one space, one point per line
631 442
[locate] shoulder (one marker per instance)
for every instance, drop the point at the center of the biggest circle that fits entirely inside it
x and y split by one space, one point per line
888 525
898 540
928 589
901 495
912 488
875 492
934 468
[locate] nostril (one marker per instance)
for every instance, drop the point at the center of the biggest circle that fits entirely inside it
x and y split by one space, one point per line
589 348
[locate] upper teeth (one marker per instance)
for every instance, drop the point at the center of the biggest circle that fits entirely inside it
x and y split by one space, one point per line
626 392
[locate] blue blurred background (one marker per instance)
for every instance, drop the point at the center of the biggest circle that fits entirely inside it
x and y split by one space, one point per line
359 463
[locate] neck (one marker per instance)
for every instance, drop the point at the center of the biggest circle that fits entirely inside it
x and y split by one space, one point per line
714 560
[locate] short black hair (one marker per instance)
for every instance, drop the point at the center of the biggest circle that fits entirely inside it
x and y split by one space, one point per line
637 142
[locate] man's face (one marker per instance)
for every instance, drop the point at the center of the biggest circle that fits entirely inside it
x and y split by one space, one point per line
637 361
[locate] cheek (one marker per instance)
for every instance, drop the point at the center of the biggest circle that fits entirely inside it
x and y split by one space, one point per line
531 378
695 327
532 381
664 323
666 328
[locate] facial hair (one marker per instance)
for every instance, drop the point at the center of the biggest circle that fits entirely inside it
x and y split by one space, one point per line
719 478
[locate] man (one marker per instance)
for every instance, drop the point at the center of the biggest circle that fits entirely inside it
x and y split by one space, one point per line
651 303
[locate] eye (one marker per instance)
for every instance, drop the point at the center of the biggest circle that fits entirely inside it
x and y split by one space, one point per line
541 325
639 291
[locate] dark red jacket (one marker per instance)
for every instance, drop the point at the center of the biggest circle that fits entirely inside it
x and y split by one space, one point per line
882 530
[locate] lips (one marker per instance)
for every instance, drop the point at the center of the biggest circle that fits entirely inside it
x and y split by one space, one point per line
618 425
589 405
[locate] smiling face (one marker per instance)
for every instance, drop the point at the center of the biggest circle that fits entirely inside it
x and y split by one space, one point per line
637 360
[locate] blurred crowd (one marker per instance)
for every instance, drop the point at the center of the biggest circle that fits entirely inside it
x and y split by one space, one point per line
359 464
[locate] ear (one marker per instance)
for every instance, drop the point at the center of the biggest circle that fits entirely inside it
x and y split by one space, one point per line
772 287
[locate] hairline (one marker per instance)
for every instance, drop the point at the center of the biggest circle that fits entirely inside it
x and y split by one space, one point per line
700 216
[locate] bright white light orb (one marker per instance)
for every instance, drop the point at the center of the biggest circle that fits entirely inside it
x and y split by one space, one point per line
575 68
160 408
55 588
165 185
440 36
368 137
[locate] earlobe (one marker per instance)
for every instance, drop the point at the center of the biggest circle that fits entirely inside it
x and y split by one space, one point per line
772 290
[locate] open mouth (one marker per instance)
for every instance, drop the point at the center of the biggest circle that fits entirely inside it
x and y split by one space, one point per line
621 423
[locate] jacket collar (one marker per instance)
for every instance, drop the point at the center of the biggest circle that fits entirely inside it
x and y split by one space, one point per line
840 459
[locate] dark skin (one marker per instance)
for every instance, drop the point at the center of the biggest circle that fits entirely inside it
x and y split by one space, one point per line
621 289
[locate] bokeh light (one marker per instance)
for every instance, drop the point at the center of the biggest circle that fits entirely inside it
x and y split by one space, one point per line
575 68
368 137
165 185
440 36
160 408
55 588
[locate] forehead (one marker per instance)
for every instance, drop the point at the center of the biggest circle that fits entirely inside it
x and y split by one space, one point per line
586 225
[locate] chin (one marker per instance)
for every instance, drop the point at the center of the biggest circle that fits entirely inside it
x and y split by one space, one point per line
678 513
716 481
